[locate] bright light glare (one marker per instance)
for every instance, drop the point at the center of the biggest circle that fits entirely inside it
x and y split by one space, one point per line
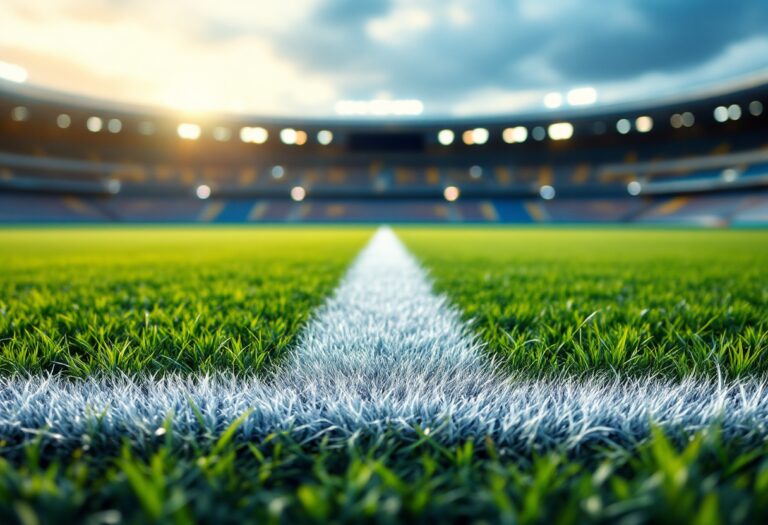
324 137
729 175
582 96
516 134
94 124
13 72
188 131
254 135
547 192
203 191
644 124
623 126
288 136
446 137
19 114
301 138
553 100
560 131
63 121
734 112
634 188
113 186
451 193
114 125
721 113
379 107
298 193
480 135
277 172
475 136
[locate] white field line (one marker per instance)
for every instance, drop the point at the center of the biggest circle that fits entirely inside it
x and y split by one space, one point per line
384 353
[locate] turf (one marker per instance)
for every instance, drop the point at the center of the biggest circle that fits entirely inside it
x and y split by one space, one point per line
280 480
146 301
548 303
673 303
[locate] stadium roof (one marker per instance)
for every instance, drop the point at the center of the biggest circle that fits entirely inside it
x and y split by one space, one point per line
425 58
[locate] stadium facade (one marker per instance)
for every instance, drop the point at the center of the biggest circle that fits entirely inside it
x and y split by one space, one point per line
699 160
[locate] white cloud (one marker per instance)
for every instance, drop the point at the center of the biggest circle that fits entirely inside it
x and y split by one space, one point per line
397 26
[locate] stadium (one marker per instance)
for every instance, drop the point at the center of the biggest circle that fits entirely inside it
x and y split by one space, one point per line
699 160
244 280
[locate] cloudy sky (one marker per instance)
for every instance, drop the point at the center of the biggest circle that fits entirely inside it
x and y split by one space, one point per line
300 57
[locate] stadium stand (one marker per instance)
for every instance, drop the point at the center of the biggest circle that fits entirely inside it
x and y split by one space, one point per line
699 161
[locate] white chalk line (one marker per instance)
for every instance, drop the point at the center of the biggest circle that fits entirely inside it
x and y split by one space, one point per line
383 354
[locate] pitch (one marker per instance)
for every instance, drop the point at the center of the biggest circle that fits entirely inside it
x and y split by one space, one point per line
293 375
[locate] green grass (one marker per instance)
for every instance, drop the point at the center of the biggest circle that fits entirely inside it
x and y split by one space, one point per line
82 302
633 301
702 480
85 301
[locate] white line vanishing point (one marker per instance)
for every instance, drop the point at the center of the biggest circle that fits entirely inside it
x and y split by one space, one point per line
383 353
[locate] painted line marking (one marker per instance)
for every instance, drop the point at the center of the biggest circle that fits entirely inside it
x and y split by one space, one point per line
384 353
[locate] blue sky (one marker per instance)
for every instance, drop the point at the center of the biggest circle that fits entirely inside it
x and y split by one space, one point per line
458 57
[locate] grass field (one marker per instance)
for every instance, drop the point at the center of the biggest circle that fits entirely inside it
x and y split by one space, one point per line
87 301
630 301
549 303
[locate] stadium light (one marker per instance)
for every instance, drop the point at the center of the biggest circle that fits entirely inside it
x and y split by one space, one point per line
203 191
634 188
756 108
114 125
288 136
644 124
222 134
515 134
721 113
475 172
729 174
277 172
480 135
301 137
584 96
254 135
539 133
19 114
451 193
553 100
560 131
445 137
298 193
113 186
547 192
734 112
63 121
188 131
13 73
477 136
94 124
623 126
324 137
